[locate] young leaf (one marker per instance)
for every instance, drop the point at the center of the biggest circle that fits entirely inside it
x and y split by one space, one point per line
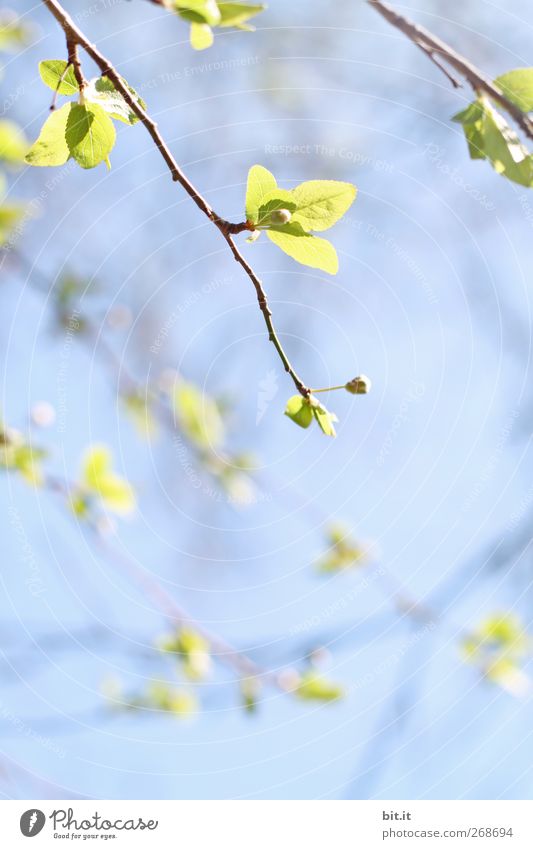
299 410
59 76
198 11
304 247
236 14
201 36
321 203
260 183
90 134
517 86
503 148
325 419
51 147
489 136
102 91
9 216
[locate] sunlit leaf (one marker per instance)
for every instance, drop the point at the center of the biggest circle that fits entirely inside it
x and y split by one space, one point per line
517 86
313 687
304 247
260 183
89 133
59 76
51 147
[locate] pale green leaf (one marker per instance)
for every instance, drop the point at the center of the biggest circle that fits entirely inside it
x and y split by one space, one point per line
90 134
321 203
504 149
260 183
198 11
299 410
51 147
236 14
325 419
59 76
13 32
517 86
9 217
201 36
305 248
101 90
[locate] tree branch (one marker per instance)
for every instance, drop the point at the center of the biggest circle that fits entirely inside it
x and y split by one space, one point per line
433 46
74 38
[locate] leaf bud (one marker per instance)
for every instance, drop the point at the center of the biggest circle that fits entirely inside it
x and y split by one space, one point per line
359 385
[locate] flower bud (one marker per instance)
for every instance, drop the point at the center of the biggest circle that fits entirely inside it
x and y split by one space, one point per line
359 385
280 216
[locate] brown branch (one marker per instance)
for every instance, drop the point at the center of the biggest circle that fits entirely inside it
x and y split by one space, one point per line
433 45
75 37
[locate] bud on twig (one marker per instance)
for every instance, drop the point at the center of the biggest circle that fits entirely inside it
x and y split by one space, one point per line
280 216
359 385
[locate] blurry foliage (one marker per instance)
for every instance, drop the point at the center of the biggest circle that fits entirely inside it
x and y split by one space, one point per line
192 651
313 687
18 455
343 552
499 647
100 484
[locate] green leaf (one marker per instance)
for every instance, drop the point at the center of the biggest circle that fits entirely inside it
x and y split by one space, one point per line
90 134
313 687
260 183
59 76
343 551
321 203
199 11
193 651
51 147
517 86
489 136
101 90
305 248
201 36
299 410
236 14
324 418
504 149
13 144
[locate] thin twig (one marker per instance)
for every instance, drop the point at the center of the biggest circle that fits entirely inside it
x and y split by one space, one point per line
74 36
432 44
